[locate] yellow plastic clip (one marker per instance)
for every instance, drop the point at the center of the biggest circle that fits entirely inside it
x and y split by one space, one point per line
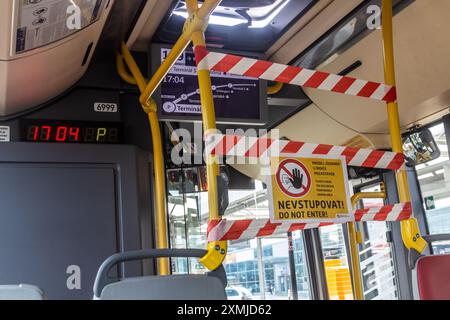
411 235
217 251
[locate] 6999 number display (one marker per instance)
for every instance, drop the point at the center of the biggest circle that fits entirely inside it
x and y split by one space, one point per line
73 132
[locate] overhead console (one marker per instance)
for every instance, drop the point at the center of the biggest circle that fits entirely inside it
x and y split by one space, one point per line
45 47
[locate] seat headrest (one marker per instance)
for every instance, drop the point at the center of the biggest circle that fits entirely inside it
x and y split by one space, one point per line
433 277
176 287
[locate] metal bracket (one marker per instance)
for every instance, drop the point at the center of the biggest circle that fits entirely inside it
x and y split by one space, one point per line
195 23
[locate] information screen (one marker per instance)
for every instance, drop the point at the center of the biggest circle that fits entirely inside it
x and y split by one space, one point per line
237 99
71 132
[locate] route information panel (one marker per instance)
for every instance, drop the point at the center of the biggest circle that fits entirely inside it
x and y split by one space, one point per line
235 97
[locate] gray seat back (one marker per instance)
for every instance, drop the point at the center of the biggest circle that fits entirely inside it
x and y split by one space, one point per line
210 286
166 288
21 292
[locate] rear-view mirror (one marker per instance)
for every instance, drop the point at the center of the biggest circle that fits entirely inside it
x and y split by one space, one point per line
420 147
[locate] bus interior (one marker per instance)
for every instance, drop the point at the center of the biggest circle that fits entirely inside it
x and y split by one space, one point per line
140 143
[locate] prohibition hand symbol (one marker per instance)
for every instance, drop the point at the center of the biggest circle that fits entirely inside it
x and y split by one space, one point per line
297 179
293 178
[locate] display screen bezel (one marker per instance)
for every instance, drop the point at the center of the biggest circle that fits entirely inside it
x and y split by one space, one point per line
155 62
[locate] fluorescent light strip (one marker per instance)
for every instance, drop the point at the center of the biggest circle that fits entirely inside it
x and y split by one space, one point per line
217 20
231 21
259 24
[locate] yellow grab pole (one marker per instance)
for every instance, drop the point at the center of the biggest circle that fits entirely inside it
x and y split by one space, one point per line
132 65
123 73
160 189
354 261
158 162
209 124
216 250
177 49
410 229
353 240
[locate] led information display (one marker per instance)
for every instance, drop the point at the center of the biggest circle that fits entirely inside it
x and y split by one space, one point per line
236 98
71 132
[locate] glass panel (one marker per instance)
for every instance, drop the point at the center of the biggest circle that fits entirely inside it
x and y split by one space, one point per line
376 257
256 269
301 268
185 218
434 180
441 247
336 263
244 268
262 265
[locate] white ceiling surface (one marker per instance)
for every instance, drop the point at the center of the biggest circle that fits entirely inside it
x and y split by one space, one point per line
316 22
422 65
147 24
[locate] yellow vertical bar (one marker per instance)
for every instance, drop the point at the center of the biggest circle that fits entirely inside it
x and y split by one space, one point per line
209 117
410 231
177 49
160 190
216 250
354 261
353 241
158 165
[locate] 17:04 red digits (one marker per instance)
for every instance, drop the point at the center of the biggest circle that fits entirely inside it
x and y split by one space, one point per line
64 134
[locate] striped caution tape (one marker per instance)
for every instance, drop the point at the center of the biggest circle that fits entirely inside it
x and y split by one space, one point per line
293 75
252 147
222 230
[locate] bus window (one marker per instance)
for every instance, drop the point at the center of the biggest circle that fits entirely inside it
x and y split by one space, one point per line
376 256
262 265
258 266
434 180
337 267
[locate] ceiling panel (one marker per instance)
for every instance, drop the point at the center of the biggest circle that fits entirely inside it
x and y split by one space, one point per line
253 25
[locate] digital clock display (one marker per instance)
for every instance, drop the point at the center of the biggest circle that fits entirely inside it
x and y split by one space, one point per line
71 132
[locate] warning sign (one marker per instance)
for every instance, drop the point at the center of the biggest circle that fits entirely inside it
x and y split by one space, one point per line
308 190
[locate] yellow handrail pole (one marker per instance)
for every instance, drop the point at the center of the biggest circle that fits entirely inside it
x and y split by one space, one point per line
410 230
354 239
158 162
123 73
160 189
178 48
354 261
209 124
216 250
132 66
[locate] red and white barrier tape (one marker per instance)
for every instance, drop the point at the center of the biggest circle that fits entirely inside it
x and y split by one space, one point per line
252 147
292 75
222 230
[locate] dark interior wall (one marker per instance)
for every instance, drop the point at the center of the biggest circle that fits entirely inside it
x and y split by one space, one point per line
123 16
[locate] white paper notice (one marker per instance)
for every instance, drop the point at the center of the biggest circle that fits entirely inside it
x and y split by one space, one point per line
5 135
41 22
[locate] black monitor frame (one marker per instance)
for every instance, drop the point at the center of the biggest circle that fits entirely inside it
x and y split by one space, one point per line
155 62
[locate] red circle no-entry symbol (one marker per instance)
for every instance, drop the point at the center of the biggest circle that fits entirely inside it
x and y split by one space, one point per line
293 178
